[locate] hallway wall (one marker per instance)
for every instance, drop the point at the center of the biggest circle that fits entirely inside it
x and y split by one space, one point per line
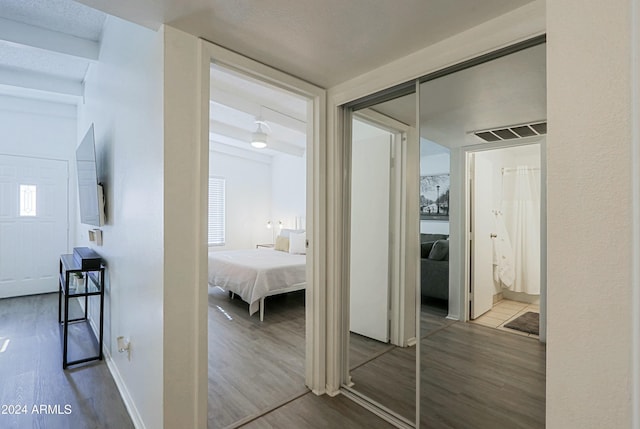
590 160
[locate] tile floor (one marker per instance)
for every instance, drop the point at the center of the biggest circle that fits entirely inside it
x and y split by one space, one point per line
503 312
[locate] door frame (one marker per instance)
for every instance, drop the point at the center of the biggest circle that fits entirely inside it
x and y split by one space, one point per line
315 217
465 223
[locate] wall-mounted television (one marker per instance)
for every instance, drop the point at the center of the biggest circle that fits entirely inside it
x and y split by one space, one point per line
90 194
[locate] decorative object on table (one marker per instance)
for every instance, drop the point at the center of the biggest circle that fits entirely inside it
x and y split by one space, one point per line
78 280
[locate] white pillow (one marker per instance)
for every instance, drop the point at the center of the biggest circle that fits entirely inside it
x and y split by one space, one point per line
287 232
298 243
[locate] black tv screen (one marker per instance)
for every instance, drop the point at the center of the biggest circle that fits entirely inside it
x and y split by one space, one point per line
90 195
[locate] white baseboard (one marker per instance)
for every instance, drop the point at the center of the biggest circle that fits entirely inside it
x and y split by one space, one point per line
411 342
378 409
331 392
124 393
120 384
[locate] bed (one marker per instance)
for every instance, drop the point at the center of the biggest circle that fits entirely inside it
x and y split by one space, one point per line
256 274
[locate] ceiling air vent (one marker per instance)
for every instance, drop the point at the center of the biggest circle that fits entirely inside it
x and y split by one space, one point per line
512 132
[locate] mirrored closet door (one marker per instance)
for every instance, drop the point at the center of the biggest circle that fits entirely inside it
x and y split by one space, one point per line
481 240
425 343
381 353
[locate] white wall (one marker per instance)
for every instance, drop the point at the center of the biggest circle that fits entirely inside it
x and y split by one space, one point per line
41 129
589 165
258 190
248 200
435 164
289 189
434 227
37 128
124 99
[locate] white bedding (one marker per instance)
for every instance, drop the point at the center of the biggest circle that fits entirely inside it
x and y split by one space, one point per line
256 273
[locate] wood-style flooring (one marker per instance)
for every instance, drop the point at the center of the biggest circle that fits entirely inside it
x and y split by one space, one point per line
477 377
253 366
388 375
258 367
31 372
471 376
320 412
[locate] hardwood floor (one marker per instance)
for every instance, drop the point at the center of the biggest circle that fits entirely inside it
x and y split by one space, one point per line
475 376
471 376
253 366
389 379
31 372
319 412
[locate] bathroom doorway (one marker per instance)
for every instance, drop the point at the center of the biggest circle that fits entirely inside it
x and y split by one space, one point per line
505 204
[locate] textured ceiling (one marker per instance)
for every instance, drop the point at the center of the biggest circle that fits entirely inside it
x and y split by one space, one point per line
325 42
31 59
41 61
64 16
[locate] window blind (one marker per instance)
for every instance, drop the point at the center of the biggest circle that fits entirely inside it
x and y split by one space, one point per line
216 235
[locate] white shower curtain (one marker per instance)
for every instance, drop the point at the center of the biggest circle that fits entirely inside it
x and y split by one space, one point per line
521 208
503 272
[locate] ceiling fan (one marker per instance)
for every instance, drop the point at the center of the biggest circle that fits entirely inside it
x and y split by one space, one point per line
259 137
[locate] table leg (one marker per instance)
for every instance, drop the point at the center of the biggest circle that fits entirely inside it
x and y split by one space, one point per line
65 329
59 302
101 311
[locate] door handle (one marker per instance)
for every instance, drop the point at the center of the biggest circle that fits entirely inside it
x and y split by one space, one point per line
493 235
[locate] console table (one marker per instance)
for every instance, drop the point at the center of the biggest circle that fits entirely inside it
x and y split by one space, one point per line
92 285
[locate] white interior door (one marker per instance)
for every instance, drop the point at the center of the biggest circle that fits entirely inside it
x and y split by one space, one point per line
33 224
369 265
482 226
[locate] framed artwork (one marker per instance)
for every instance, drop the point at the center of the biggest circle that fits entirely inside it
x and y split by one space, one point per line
434 197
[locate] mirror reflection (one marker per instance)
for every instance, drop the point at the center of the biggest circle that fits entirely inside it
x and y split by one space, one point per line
382 304
482 131
451 242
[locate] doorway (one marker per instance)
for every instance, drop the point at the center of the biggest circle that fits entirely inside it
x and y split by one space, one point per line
504 246
261 348
33 223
